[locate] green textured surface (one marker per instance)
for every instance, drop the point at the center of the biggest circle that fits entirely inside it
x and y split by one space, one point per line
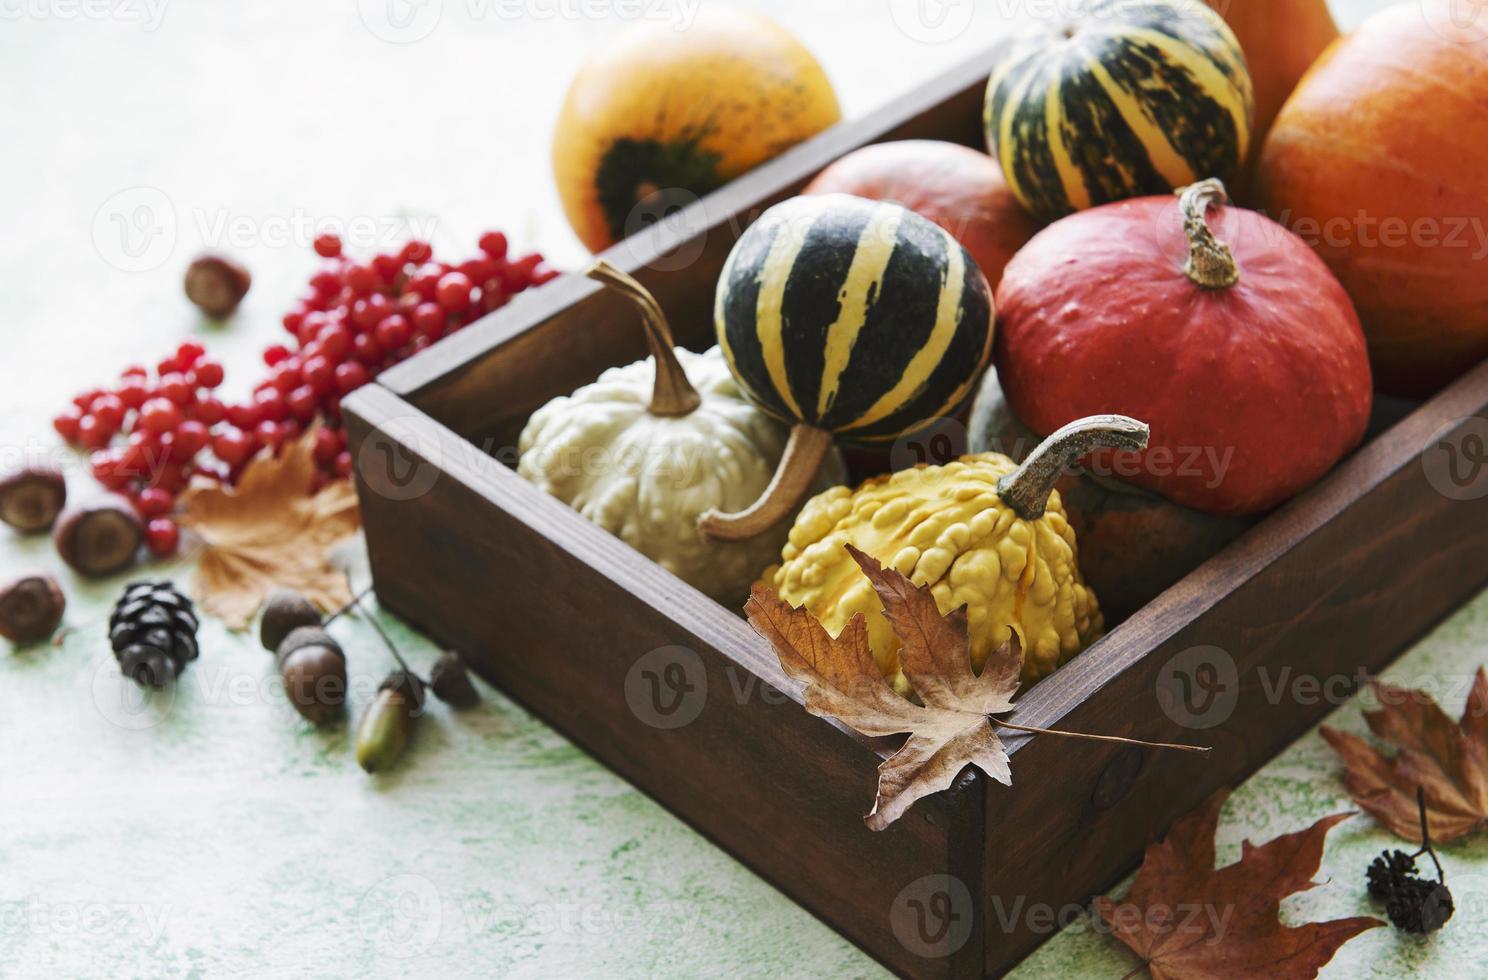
210 832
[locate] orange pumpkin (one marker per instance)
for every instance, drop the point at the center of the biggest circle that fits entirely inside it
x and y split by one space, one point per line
663 116
1380 161
958 188
1281 39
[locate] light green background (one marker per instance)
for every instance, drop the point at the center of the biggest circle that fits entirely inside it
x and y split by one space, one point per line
209 832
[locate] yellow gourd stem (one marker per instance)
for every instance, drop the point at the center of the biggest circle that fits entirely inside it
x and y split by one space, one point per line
1026 490
803 456
673 394
1210 263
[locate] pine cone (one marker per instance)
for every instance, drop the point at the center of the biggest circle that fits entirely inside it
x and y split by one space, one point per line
153 632
1419 906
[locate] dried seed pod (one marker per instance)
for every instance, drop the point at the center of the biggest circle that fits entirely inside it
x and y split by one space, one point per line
313 669
216 284
388 725
451 683
32 497
284 612
100 537
31 607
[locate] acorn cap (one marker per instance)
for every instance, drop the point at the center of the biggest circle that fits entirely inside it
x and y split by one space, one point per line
307 636
409 684
451 682
284 611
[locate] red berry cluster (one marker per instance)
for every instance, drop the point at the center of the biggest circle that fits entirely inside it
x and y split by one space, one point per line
357 320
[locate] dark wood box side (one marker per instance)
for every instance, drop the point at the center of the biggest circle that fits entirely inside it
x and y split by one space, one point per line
557 613
678 258
1340 581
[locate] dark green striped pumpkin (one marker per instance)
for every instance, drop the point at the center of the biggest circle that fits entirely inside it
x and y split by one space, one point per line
1135 97
856 317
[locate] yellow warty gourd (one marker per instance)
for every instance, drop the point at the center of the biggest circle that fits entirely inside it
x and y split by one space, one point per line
981 532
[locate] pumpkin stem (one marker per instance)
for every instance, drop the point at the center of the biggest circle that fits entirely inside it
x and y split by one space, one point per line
673 394
803 456
1210 263
1026 490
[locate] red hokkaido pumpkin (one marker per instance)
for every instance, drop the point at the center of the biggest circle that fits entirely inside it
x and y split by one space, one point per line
958 188
1380 160
1218 328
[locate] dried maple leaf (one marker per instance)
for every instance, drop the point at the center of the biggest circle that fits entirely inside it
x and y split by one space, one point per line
950 730
1446 759
1189 921
268 532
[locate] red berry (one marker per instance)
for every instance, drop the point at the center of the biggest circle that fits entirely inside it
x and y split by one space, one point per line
276 353
328 245
425 281
170 477
189 353
92 433
271 405
428 320
544 273
134 371
176 388
493 243
343 464
154 502
367 349
293 319
208 411
191 438
350 376
244 417
162 537
325 283
133 392
209 374
394 332
232 446
109 410
270 434
286 376
66 423
84 400
168 365
159 415
303 402
106 470
388 268
360 279
453 291
327 445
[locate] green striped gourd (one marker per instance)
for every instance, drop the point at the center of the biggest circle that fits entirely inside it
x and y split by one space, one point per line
850 319
1133 98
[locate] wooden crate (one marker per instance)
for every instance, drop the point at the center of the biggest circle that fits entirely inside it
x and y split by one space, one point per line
595 639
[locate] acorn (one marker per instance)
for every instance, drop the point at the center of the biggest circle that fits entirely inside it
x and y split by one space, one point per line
32 497
388 726
283 612
100 537
216 284
451 683
31 608
312 666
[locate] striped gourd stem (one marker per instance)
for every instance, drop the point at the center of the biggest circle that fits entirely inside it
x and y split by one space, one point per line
672 394
1026 490
1210 263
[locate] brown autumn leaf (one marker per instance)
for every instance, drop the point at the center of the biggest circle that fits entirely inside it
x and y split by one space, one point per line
1447 759
1188 920
950 730
269 532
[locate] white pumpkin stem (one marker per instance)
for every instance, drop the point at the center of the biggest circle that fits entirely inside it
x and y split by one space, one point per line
1026 490
673 394
1210 263
803 456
